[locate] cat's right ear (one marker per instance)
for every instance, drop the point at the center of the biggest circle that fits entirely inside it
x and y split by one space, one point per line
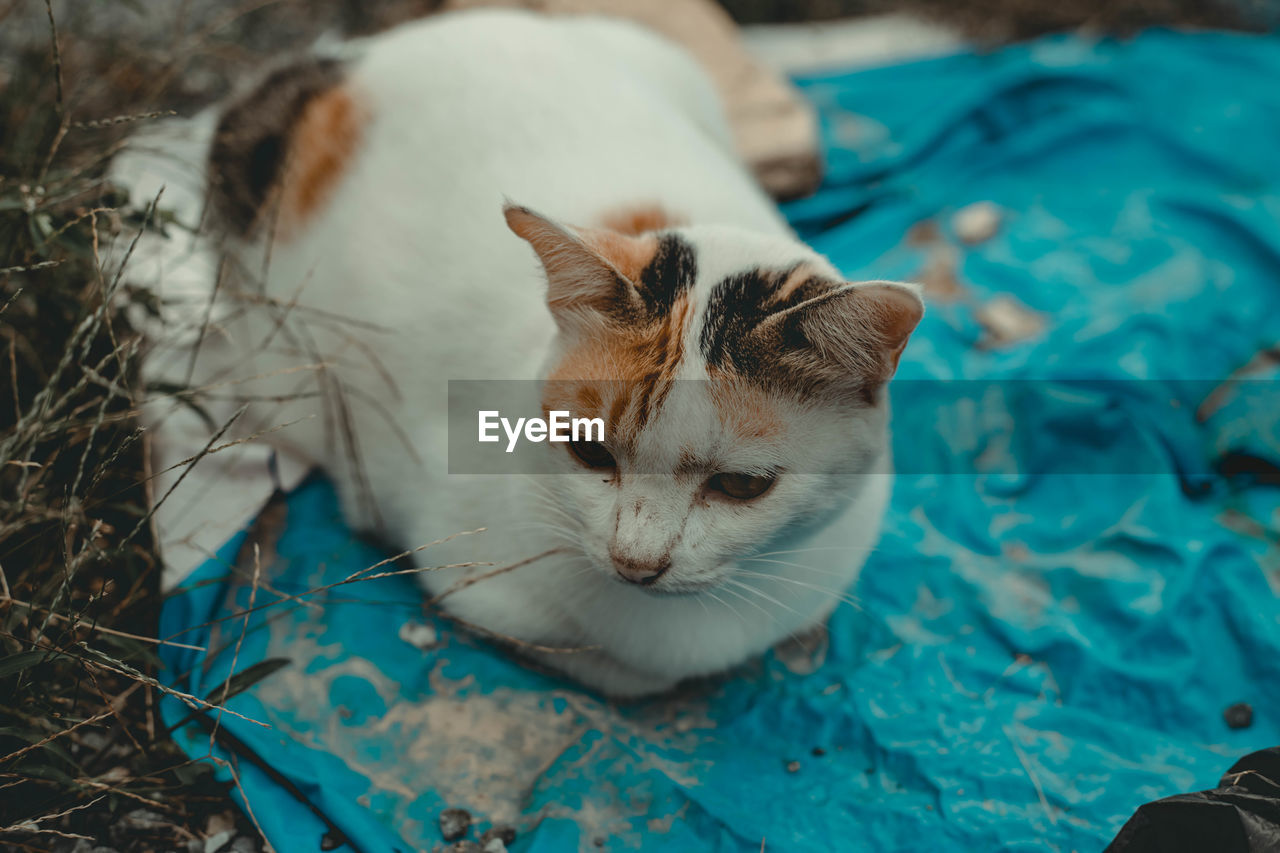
583 286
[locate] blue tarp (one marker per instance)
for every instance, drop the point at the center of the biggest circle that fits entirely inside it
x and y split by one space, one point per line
1033 653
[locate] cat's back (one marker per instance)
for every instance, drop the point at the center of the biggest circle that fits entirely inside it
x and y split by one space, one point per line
401 149
574 114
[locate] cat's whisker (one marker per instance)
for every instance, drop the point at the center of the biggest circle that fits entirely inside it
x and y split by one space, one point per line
548 500
793 565
568 535
839 595
742 597
557 512
852 551
549 495
726 604
762 594
549 523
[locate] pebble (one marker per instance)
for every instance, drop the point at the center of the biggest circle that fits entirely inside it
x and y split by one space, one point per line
218 840
466 846
419 635
142 819
1008 321
793 766
494 845
1239 715
977 222
818 752
505 834
218 823
137 821
454 824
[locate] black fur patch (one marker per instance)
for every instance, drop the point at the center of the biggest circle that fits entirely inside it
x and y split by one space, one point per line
670 273
739 304
252 137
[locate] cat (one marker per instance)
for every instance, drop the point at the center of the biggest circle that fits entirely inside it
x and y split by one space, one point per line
500 195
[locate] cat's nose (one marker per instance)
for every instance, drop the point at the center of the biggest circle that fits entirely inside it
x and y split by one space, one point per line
643 572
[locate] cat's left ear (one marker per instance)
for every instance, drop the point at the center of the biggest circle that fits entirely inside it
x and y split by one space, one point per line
853 335
584 267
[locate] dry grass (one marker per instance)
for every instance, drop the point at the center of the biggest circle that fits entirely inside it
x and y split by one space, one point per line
83 753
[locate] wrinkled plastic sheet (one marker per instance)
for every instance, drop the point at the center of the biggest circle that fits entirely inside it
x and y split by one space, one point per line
1031 654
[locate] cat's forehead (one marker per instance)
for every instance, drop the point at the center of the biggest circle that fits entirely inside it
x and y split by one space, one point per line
724 252
717 424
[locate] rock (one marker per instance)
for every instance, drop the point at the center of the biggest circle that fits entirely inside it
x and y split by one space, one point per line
95 741
142 819
494 845
218 823
1238 716
505 834
454 824
419 635
466 846
1008 321
977 222
243 844
139 822
218 840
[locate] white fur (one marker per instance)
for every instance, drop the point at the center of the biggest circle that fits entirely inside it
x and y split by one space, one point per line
411 255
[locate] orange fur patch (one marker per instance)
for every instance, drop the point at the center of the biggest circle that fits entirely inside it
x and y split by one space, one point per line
629 255
622 375
745 410
639 219
321 146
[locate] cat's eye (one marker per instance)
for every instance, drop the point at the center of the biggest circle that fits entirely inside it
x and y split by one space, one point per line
742 487
593 454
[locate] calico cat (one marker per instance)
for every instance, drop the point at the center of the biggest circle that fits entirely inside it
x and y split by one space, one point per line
497 195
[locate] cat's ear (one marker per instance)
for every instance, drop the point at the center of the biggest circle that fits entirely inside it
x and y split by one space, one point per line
852 336
584 284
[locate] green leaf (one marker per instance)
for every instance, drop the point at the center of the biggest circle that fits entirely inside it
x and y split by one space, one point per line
11 664
49 773
242 681
57 750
